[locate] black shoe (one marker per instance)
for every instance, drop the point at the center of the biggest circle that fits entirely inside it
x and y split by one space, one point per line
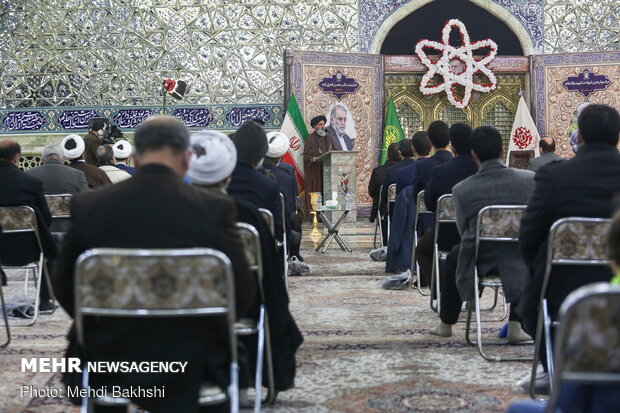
300 258
47 307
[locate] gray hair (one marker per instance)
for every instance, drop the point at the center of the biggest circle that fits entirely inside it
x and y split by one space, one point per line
105 154
53 151
337 106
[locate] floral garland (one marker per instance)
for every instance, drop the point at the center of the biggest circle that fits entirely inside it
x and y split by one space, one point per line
450 55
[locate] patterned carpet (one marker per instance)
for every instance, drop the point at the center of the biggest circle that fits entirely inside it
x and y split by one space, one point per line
365 350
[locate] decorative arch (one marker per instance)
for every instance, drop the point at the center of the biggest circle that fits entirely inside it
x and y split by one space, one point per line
497 10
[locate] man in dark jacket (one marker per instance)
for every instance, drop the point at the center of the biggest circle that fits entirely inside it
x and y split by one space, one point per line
18 188
57 177
247 182
377 175
583 186
441 181
157 211
439 134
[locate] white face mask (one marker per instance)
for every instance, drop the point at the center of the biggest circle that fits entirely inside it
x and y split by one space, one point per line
259 164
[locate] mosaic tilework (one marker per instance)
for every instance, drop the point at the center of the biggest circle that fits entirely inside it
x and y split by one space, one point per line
583 26
374 12
65 119
117 52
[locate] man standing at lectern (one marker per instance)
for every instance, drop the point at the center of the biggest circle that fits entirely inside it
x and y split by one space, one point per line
315 145
336 128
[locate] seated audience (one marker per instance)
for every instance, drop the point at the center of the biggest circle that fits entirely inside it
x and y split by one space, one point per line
575 396
547 154
442 179
57 177
211 165
439 135
247 181
73 148
376 179
122 152
493 184
422 148
156 210
19 188
105 158
582 186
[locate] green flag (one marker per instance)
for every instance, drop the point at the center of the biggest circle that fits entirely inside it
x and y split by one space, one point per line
392 132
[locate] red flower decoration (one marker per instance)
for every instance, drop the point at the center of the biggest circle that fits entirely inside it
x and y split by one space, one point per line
522 137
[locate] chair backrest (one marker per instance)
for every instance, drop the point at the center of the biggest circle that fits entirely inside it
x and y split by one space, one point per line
445 209
499 223
420 206
587 344
59 205
579 241
392 193
251 245
153 283
268 217
18 219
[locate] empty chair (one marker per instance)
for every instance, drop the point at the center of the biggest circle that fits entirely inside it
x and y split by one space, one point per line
60 208
587 349
156 285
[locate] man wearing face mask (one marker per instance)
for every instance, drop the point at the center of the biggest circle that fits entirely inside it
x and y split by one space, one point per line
93 140
247 182
315 145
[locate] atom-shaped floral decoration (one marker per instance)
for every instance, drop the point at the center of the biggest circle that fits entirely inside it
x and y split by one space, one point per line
450 64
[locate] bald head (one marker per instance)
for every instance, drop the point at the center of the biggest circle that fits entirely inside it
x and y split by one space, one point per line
547 145
10 151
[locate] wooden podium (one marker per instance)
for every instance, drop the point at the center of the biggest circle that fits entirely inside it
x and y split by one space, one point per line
338 174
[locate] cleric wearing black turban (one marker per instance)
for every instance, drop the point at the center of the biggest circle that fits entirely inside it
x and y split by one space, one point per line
315 145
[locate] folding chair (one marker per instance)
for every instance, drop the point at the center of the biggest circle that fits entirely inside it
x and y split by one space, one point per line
391 200
268 217
203 287
60 208
251 242
495 223
378 225
4 313
23 219
572 241
420 209
445 215
284 240
587 345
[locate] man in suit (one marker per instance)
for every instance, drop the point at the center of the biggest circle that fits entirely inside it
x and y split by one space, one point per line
493 184
247 181
336 128
19 188
211 172
439 134
547 154
57 177
157 210
582 186
441 181
422 147
73 148
376 178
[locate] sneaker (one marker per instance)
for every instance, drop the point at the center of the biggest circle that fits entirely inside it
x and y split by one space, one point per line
542 382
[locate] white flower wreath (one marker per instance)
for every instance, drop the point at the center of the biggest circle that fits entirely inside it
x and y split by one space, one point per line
464 53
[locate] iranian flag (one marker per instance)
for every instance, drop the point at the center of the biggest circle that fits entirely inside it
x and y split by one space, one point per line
524 135
295 128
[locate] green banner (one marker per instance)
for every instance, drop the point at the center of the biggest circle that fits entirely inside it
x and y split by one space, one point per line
392 132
